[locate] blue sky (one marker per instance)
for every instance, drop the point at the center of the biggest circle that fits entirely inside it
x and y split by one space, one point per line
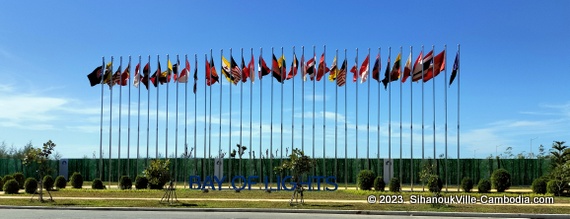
514 73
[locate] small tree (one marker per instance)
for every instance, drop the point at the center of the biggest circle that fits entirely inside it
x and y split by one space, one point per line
298 165
157 173
365 179
501 180
467 184
40 156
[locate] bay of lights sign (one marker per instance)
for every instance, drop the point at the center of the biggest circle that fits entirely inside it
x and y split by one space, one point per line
313 183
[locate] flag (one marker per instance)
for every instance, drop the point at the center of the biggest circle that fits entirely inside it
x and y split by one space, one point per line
455 68
95 76
155 77
236 71
333 71
322 69
353 70
275 69
263 69
293 70
183 77
395 73
164 76
376 69
195 87
282 68
137 78
244 70
226 70
421 66
175 71
124 81
436 66
211 74
108 76
407 68
116 78
364 69
341 78
386 74
251 68
146 74
310 68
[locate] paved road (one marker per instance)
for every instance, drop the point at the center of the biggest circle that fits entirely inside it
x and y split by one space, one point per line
176 214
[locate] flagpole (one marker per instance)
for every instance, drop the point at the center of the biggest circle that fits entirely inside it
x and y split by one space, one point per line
378 164
110 118
271 122
129 122
400 72
293 104
336 120
411 126
157 76
251 75
147 113
167 91
281 119
138 116
120 107
210 115
186 118
345 128
230 128
103 69
220 118
356 121
260 112
324 111
458 118
314 85
423 113
176 118
303 100
445 90
368 121
390 116
195 87
433 99
241 114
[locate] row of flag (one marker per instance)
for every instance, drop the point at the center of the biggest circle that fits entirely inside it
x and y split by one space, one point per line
424 69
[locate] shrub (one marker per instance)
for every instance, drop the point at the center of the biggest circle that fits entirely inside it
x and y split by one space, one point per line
157 173
1 184
141 182
539 186
365 179
125 182
379 184
554 186
484 186
97 184
48 182
467 184
8 178
76 180
31 185
20 178
435 184
501 180
60 182
11 187
395 185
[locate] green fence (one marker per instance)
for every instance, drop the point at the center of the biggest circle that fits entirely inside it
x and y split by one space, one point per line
523 171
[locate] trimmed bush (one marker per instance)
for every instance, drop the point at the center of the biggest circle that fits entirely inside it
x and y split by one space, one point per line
31 185
484 186
539 186
467 184
395 185
8 178
501 180
1 184
365 179
20 178
60 182
379 184
125 182
141 182
76 180
11 187
48 182
555 187
435 184
97 184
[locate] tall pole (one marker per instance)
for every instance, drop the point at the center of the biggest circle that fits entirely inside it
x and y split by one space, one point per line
324 173
458 117
110 119
252 75
293 105
345 129
176 122
103 69
303 99
241 115
378 163
336 118
281 119
271 124
314 86
204 158
129 122
411 128
147 114
230 128
120 70
445 90
390 116
368 121
423 105
433 99
356 121
220 118
157 104
167 118
260 113
194 149
138 115
399 76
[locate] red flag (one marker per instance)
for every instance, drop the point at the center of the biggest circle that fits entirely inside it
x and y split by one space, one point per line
364 69
211 74
354 73
293 70
137 78
435 67
146 75
236 70
251 68
341 77
322 69
263 69
376 69
125 76
183 78
244 70
422 66
407 68
311 68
